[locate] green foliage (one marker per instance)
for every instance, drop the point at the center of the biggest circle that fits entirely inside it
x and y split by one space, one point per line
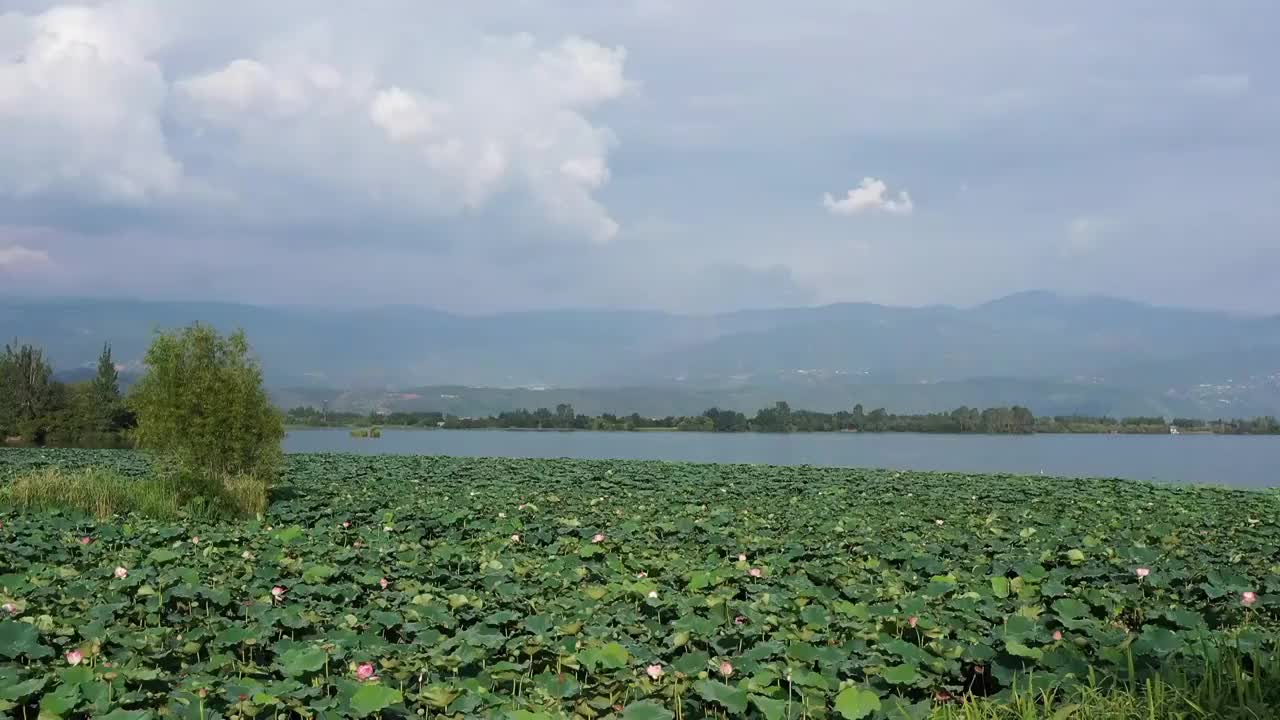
107 406
27 393
202 403
98 492
35 409
1229 686
104 494
500 600
782 419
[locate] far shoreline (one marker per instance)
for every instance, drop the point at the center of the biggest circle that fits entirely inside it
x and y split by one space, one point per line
420 428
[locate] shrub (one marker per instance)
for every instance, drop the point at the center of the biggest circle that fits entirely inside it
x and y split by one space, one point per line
202 408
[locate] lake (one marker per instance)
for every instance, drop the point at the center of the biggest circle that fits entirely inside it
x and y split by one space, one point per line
1238 461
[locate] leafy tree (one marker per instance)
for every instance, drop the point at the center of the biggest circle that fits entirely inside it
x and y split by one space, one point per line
105 393
202 404
26 391
8 400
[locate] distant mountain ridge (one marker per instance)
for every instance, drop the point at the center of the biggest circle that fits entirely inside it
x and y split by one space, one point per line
1064 352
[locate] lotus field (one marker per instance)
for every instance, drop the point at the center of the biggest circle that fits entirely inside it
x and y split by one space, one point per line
444 587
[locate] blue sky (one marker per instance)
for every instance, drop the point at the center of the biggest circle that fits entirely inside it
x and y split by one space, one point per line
691 156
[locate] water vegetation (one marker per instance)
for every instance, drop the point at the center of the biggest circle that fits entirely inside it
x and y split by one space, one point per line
556 588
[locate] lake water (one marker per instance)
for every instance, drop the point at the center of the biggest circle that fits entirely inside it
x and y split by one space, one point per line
1239 461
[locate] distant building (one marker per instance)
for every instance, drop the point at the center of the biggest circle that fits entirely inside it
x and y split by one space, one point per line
1173 429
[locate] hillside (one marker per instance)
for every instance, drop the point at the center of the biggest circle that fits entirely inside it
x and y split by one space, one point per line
1050 352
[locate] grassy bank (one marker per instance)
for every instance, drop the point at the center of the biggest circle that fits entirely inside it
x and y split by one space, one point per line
483 587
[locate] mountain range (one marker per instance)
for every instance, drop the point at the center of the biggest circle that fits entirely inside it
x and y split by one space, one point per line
1051 352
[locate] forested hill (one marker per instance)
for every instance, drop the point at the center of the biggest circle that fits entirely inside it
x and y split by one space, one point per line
1048 352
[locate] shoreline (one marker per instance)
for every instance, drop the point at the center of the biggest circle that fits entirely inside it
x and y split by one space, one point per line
419 428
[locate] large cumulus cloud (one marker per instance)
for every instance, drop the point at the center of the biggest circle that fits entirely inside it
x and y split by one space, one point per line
295 117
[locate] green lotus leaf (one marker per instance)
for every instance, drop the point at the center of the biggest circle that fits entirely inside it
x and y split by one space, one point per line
646 710
731 698
372 698
854 703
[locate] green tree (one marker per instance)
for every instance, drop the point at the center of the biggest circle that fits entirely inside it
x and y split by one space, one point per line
202 404
26 391
105 394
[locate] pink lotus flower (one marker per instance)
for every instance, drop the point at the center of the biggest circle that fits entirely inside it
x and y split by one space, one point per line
740 620
641 575
278 592
365 672
346 523
654 672
502 516
726 669
515 538
74 657
913 620
86 540
1057 634
1142 572
939 523
9 609
597 538
1248 598
742 557
195 540
523 506
246 555
653 594
383 582
121 573
755 572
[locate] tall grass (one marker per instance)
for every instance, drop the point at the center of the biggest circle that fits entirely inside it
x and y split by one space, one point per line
1234 686
105 494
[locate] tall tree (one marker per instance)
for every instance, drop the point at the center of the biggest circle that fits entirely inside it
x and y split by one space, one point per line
28 392
106 392
8 397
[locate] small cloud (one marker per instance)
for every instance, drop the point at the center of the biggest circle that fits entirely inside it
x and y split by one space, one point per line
1230 84
17 257
1085 235
871 195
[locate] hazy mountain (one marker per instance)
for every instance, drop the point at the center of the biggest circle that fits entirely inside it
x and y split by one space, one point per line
1050 352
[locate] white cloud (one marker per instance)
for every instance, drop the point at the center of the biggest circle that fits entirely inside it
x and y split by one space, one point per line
17 257
403 116
1085 234
80 106
871 195
380 123
502 115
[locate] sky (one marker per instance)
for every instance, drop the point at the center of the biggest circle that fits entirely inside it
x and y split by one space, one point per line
687 155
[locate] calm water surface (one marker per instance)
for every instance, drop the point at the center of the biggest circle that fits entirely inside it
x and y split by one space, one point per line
1240 461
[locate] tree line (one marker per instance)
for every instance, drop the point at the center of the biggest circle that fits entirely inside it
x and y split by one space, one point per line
780 418
37 409
199 410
